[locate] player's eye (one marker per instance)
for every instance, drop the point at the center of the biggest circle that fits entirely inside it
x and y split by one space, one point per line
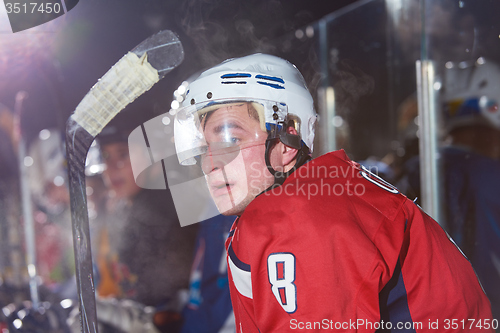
234 140
231 137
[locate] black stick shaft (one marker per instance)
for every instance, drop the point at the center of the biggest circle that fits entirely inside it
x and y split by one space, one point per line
78 142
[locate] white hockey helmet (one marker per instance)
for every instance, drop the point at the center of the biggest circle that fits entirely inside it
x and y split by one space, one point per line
472 94
274 86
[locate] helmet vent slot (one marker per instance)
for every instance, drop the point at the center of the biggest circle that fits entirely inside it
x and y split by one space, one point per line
272 85
271 81
270 78
234 78
234 82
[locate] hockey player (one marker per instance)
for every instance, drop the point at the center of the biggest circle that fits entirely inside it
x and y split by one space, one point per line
319 244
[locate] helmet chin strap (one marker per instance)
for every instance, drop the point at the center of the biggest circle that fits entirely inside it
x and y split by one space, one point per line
280 176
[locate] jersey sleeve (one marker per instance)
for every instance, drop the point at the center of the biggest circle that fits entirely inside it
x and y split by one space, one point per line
409 274
350 262
441 285
314 276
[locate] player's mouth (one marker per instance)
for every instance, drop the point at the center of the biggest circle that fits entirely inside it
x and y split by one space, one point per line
220 188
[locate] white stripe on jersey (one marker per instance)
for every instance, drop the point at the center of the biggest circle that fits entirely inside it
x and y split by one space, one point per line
242 279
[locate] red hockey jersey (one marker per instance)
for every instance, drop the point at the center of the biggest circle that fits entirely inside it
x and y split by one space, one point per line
337 248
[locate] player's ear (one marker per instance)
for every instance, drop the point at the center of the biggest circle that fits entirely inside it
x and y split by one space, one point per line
289 154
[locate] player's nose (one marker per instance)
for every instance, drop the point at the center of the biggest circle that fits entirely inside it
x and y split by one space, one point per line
209 163
217 158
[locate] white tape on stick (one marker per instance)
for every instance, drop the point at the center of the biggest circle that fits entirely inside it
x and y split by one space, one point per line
128 79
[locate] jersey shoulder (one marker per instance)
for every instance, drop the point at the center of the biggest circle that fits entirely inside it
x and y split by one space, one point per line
328 192
335 180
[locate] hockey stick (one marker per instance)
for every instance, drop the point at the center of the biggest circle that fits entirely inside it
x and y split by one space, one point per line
129 78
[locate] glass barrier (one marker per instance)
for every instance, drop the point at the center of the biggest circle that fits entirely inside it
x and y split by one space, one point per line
461 49
410 88
361 70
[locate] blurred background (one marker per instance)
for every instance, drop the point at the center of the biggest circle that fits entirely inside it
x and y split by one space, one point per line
409 88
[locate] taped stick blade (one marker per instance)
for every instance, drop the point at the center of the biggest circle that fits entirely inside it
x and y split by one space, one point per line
135 73
164 51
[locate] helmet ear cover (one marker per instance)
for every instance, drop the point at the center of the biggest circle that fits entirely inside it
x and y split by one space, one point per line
280 131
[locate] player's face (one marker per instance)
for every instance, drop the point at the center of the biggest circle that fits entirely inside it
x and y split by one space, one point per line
234 166
118 175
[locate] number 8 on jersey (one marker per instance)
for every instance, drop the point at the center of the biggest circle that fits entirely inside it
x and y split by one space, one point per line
281 273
